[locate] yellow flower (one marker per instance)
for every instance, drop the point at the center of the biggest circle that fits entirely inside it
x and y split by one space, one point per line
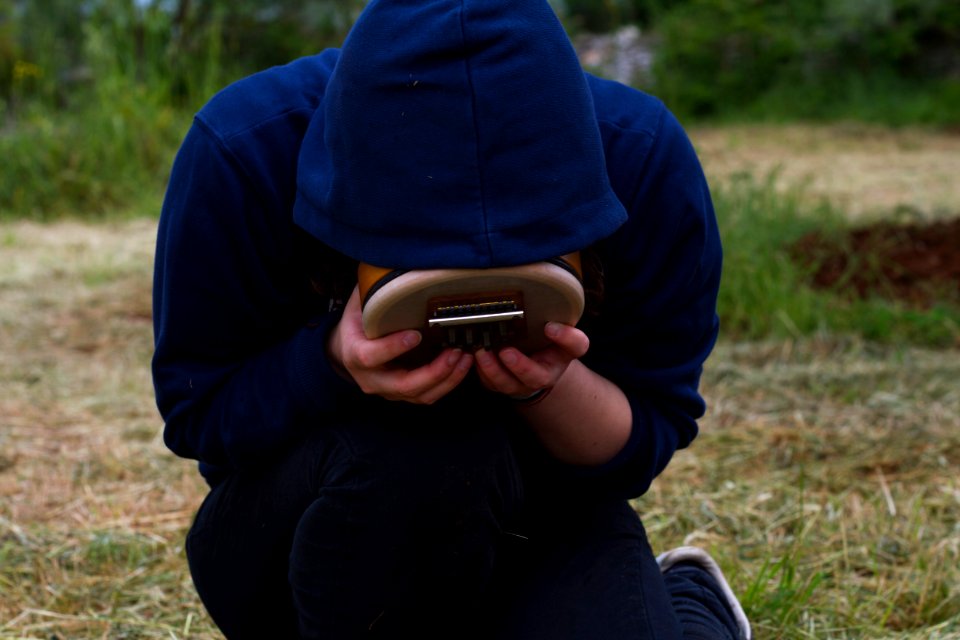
23 70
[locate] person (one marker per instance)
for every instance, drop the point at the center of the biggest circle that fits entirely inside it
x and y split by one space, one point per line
488 492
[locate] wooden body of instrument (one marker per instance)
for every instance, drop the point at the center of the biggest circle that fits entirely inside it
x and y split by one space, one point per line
473 308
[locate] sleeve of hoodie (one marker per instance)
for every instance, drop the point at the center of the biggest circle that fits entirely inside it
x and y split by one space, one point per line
239 364
658 322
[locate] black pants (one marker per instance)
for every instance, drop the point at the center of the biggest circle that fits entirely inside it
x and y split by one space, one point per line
376 531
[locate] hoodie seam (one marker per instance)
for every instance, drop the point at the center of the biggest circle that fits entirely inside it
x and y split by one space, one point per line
476 137
655 136
261 122
652 132
225 148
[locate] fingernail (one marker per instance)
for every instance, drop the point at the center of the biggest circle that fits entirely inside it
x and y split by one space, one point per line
465 362
454 357
552 329
508 356
411 339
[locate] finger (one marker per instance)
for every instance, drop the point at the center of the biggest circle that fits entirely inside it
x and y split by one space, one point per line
460 371
494 375
572 340
497 377
531 373
373 354
413 385
364 352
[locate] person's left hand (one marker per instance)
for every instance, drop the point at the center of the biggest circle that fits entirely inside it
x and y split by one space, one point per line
517 375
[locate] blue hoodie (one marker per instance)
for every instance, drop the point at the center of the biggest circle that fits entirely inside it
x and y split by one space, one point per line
443 133
477 123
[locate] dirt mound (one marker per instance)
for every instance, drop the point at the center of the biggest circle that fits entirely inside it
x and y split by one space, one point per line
917 263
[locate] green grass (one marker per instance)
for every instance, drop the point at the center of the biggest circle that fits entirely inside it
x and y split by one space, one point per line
767 293
883 99
95 162
116 584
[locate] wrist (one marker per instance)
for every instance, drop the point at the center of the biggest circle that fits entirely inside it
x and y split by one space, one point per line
533 398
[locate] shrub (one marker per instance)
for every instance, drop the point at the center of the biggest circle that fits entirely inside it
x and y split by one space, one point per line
723 57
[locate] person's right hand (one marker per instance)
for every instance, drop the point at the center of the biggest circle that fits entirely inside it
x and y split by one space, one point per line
368 362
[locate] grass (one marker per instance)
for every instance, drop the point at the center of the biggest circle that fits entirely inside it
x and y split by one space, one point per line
92 509
863 172
764 293
93 164
823 481
878 98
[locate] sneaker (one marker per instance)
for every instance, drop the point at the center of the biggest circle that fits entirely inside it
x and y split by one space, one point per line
699 557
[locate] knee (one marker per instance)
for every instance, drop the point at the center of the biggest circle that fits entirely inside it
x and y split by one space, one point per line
421 513
431 480
399 489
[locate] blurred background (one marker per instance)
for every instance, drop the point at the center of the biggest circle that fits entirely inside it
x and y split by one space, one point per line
95 93
825 476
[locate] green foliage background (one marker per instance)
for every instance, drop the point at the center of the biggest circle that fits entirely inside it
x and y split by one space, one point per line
95 94
894 61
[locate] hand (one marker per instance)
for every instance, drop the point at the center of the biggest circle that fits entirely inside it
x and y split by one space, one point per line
512 373
368 362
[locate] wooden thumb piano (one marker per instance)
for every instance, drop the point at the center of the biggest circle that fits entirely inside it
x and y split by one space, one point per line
472 309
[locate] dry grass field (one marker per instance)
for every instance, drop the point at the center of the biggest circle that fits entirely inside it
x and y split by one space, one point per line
825 480
92 509
867 171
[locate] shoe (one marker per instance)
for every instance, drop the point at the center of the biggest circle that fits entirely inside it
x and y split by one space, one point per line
700 558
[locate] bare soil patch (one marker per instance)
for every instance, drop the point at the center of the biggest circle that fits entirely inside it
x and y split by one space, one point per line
918 264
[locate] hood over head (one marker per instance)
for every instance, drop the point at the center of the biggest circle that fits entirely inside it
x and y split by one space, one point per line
456 133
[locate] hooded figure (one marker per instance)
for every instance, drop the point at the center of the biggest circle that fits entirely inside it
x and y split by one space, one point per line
456 134
483 494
